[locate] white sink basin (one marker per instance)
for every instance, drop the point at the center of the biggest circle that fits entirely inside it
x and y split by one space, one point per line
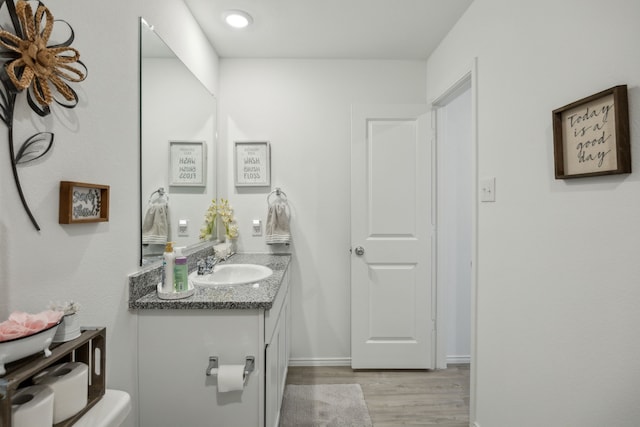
231 274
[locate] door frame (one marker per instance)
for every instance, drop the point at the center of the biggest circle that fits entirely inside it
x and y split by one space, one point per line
469 75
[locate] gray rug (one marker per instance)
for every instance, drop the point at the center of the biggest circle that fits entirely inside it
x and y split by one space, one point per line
326 405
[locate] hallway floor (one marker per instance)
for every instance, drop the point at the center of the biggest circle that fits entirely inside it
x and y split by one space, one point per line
401 398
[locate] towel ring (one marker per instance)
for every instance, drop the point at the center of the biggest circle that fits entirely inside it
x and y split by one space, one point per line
161 194
279 193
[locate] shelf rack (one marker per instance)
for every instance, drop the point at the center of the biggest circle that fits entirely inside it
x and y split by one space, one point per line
88 348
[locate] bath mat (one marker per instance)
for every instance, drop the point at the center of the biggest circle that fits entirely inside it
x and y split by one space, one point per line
324 405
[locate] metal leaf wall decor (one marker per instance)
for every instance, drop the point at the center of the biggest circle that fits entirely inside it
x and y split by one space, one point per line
39 68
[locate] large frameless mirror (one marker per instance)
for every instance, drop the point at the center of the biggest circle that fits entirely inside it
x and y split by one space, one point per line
177 148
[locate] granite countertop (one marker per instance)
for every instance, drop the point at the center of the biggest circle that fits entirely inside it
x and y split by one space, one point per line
142 296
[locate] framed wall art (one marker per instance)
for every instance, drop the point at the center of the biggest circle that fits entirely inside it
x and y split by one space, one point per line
252 164
81 202
591 135
187 163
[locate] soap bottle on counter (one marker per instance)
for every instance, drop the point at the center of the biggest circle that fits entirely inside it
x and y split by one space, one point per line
168 263
181 274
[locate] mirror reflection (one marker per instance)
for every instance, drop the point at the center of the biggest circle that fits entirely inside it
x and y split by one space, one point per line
177 146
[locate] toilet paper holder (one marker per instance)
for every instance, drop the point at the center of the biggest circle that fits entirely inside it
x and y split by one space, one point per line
249 366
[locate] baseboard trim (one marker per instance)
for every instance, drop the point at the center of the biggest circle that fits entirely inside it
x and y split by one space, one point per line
323 361
346 361
457 360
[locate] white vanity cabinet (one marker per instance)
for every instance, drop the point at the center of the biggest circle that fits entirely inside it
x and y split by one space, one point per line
278 345
173 355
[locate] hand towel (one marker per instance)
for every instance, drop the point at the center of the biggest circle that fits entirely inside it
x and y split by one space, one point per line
277 229
155 227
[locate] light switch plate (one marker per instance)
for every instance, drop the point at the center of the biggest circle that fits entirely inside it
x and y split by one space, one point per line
488 190
257 227
183 228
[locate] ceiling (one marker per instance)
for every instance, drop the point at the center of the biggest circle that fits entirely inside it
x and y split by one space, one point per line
358 29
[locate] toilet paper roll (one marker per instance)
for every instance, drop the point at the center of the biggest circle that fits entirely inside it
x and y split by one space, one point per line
230 378
32 407
69 382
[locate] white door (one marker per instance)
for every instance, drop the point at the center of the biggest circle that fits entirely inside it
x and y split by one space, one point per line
392 237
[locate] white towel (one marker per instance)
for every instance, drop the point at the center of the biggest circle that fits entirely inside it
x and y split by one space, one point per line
155 227
277 229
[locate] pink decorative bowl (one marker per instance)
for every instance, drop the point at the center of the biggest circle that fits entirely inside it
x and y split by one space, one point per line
18 348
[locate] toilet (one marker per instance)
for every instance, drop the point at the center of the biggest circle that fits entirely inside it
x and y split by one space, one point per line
110 411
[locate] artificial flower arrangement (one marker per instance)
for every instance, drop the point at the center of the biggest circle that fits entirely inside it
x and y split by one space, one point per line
67 307
224 211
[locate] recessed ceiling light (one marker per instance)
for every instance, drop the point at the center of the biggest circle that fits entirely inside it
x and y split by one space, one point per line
237 18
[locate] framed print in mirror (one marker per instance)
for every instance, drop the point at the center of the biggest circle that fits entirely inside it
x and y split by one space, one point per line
591 135
187 163
252 164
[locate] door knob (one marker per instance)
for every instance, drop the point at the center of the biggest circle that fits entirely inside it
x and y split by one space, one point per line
359 251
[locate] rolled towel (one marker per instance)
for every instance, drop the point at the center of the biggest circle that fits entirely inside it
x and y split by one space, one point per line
277 229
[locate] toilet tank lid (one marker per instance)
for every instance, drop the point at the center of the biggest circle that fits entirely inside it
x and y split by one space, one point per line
110 411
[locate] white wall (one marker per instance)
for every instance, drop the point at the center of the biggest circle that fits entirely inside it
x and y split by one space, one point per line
557 340
96 142
87 262
303 108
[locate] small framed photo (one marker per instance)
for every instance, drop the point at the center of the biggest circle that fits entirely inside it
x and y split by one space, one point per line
187 163
81 202
591 135
252 164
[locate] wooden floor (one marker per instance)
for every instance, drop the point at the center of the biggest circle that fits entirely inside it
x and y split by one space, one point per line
401 398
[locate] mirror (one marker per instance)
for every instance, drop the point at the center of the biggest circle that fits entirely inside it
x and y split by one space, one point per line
177 148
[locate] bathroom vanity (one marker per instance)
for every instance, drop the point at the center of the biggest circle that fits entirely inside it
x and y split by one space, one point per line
177 338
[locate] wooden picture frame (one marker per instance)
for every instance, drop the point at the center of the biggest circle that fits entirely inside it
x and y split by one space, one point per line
81 202
252 161
187 163
591 135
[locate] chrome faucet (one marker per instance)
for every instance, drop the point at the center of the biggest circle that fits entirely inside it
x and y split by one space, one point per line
205 266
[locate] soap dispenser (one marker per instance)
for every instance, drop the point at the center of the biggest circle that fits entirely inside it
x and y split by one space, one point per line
168 262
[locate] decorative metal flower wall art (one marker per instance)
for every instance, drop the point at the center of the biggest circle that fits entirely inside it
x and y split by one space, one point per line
34 65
